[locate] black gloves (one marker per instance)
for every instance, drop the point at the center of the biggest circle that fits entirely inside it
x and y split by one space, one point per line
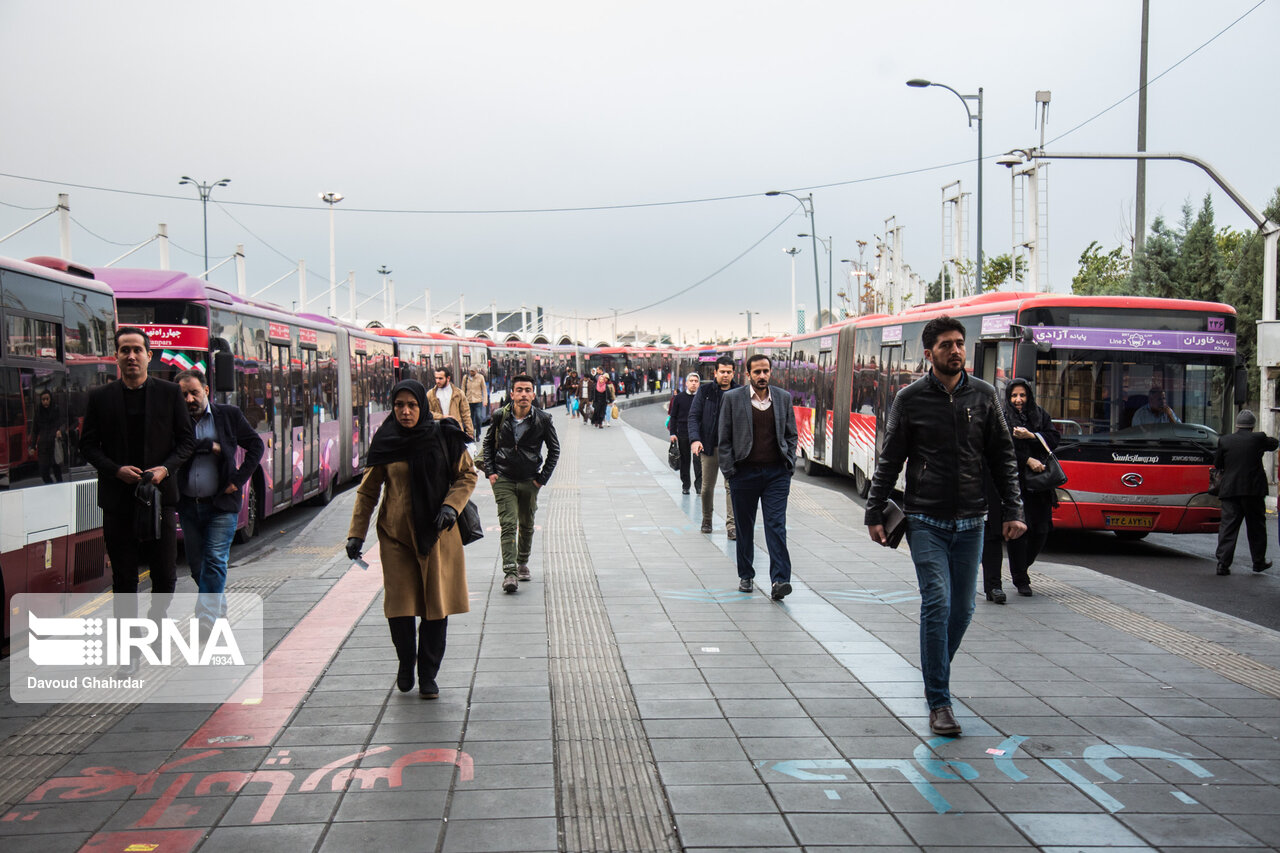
447 518
353 547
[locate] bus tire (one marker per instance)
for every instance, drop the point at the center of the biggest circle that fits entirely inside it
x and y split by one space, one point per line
861 483
810 468
250 529
1131 535
325 497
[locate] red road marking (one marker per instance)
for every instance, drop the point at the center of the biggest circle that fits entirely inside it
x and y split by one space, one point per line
293 666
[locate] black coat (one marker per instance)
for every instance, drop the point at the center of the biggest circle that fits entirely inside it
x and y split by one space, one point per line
523 460
233 431
944 438
704 414
1239 456
168 440
678 409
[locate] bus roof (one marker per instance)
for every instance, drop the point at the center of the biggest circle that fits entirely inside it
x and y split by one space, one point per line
41 266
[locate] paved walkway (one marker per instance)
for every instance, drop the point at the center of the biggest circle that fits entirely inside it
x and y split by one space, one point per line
629 698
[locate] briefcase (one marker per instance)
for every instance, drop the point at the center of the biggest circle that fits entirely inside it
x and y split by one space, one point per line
147 511
895 523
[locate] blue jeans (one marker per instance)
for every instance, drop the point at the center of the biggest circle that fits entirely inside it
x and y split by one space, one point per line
206 536
947 570
477 417
768 488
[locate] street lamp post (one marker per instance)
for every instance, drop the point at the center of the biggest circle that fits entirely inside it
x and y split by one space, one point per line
331 199
793 251
748 313
826 244
807 206
965 99
204 190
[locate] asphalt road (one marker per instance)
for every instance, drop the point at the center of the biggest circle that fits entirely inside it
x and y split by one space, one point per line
1181 566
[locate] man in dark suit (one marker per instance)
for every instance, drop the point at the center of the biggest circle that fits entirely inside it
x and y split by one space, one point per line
1243 490
210 486
757 453
136 428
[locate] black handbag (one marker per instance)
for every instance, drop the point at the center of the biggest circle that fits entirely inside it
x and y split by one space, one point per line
1048 479
895 523
469 526
147 514
1215 481
673 455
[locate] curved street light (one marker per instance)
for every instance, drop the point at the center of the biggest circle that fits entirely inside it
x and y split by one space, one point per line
917 83
807 206
331 199
204 190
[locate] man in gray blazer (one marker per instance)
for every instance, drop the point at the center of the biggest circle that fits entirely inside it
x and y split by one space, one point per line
757 454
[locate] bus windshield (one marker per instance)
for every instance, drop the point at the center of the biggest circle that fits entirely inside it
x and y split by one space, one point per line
1118 396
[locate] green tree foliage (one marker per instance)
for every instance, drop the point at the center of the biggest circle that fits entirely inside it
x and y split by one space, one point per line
998 270
1102 275
1242 288
1157 270
933 293
1201 258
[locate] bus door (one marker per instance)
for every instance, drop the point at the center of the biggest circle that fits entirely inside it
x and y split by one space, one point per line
993 363
891 368
360 403
308 407
822 405
281 432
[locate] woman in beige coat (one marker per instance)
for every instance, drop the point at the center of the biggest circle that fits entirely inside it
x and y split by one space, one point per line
428 478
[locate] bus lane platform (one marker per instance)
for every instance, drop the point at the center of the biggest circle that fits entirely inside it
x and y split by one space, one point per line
630 698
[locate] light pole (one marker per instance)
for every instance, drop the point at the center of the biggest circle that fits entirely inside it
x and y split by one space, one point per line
331 199
826 244
807 206
965 99
748 313
791 324
388 300
204 190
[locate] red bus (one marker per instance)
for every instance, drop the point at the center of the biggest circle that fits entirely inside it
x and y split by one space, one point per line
1094 361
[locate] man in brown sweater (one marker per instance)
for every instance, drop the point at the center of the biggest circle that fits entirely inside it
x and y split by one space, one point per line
757 453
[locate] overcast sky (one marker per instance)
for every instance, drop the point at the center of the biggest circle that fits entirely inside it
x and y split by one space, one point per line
464 109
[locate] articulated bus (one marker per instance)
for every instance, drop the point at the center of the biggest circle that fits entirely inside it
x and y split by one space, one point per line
56 327
1094 360
314 389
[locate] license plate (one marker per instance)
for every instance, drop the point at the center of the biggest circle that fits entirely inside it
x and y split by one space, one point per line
1130 522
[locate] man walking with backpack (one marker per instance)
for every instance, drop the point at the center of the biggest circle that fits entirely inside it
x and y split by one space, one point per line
513 459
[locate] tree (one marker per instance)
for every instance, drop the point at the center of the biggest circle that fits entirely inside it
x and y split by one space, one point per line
1102 275
998 270
933 293
1243 289
1201 258
1157 270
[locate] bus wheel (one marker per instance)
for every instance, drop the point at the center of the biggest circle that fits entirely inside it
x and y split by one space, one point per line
811 468
861 484
1131 535
325 497
250 529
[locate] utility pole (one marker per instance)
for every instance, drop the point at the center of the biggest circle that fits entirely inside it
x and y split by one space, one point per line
1140 197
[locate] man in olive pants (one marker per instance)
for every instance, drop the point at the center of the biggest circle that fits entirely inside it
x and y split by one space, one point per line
513 459
704 421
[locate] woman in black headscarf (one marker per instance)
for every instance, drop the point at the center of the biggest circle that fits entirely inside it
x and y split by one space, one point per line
428 477
46 436
1029 424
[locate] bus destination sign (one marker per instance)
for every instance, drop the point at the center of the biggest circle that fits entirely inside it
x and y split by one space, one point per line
176 337
278 331
1142 340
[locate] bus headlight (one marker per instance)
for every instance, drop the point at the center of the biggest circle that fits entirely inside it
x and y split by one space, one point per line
1205 499
1064 495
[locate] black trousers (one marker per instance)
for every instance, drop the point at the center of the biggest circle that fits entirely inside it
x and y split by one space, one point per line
1252 512
1022 553
686 456
128 554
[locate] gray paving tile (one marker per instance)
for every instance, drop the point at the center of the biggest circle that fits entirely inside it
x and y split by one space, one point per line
719 799
733 830
707 772
826 796
506 802
391 805
292 809
699 749
988 831
1085 830
500 834
262 839
402 835
1188 830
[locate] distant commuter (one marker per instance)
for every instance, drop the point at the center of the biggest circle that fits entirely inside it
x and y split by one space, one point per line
477 394
513 454
948 424
602 396
704 435
47 439
1155 411
421 469
210 486
678 427
137 429
1243 491
757 453
445 401
572 385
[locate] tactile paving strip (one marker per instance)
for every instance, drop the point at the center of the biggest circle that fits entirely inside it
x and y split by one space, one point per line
609 796
1215 657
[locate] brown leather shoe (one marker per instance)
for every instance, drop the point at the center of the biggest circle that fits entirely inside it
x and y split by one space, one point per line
943 722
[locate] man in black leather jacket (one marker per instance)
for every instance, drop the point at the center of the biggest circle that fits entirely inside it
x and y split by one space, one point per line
943 426
513 460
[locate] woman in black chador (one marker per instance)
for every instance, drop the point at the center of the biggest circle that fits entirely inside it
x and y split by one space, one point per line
46 437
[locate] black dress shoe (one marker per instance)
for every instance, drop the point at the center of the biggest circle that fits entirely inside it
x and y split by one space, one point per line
1024 589
684 491
1262 567
428 689
997 595
943 722
1223 570
780 591
744 584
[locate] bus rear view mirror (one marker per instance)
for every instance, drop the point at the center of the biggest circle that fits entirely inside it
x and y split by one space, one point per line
1241 385
224 372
